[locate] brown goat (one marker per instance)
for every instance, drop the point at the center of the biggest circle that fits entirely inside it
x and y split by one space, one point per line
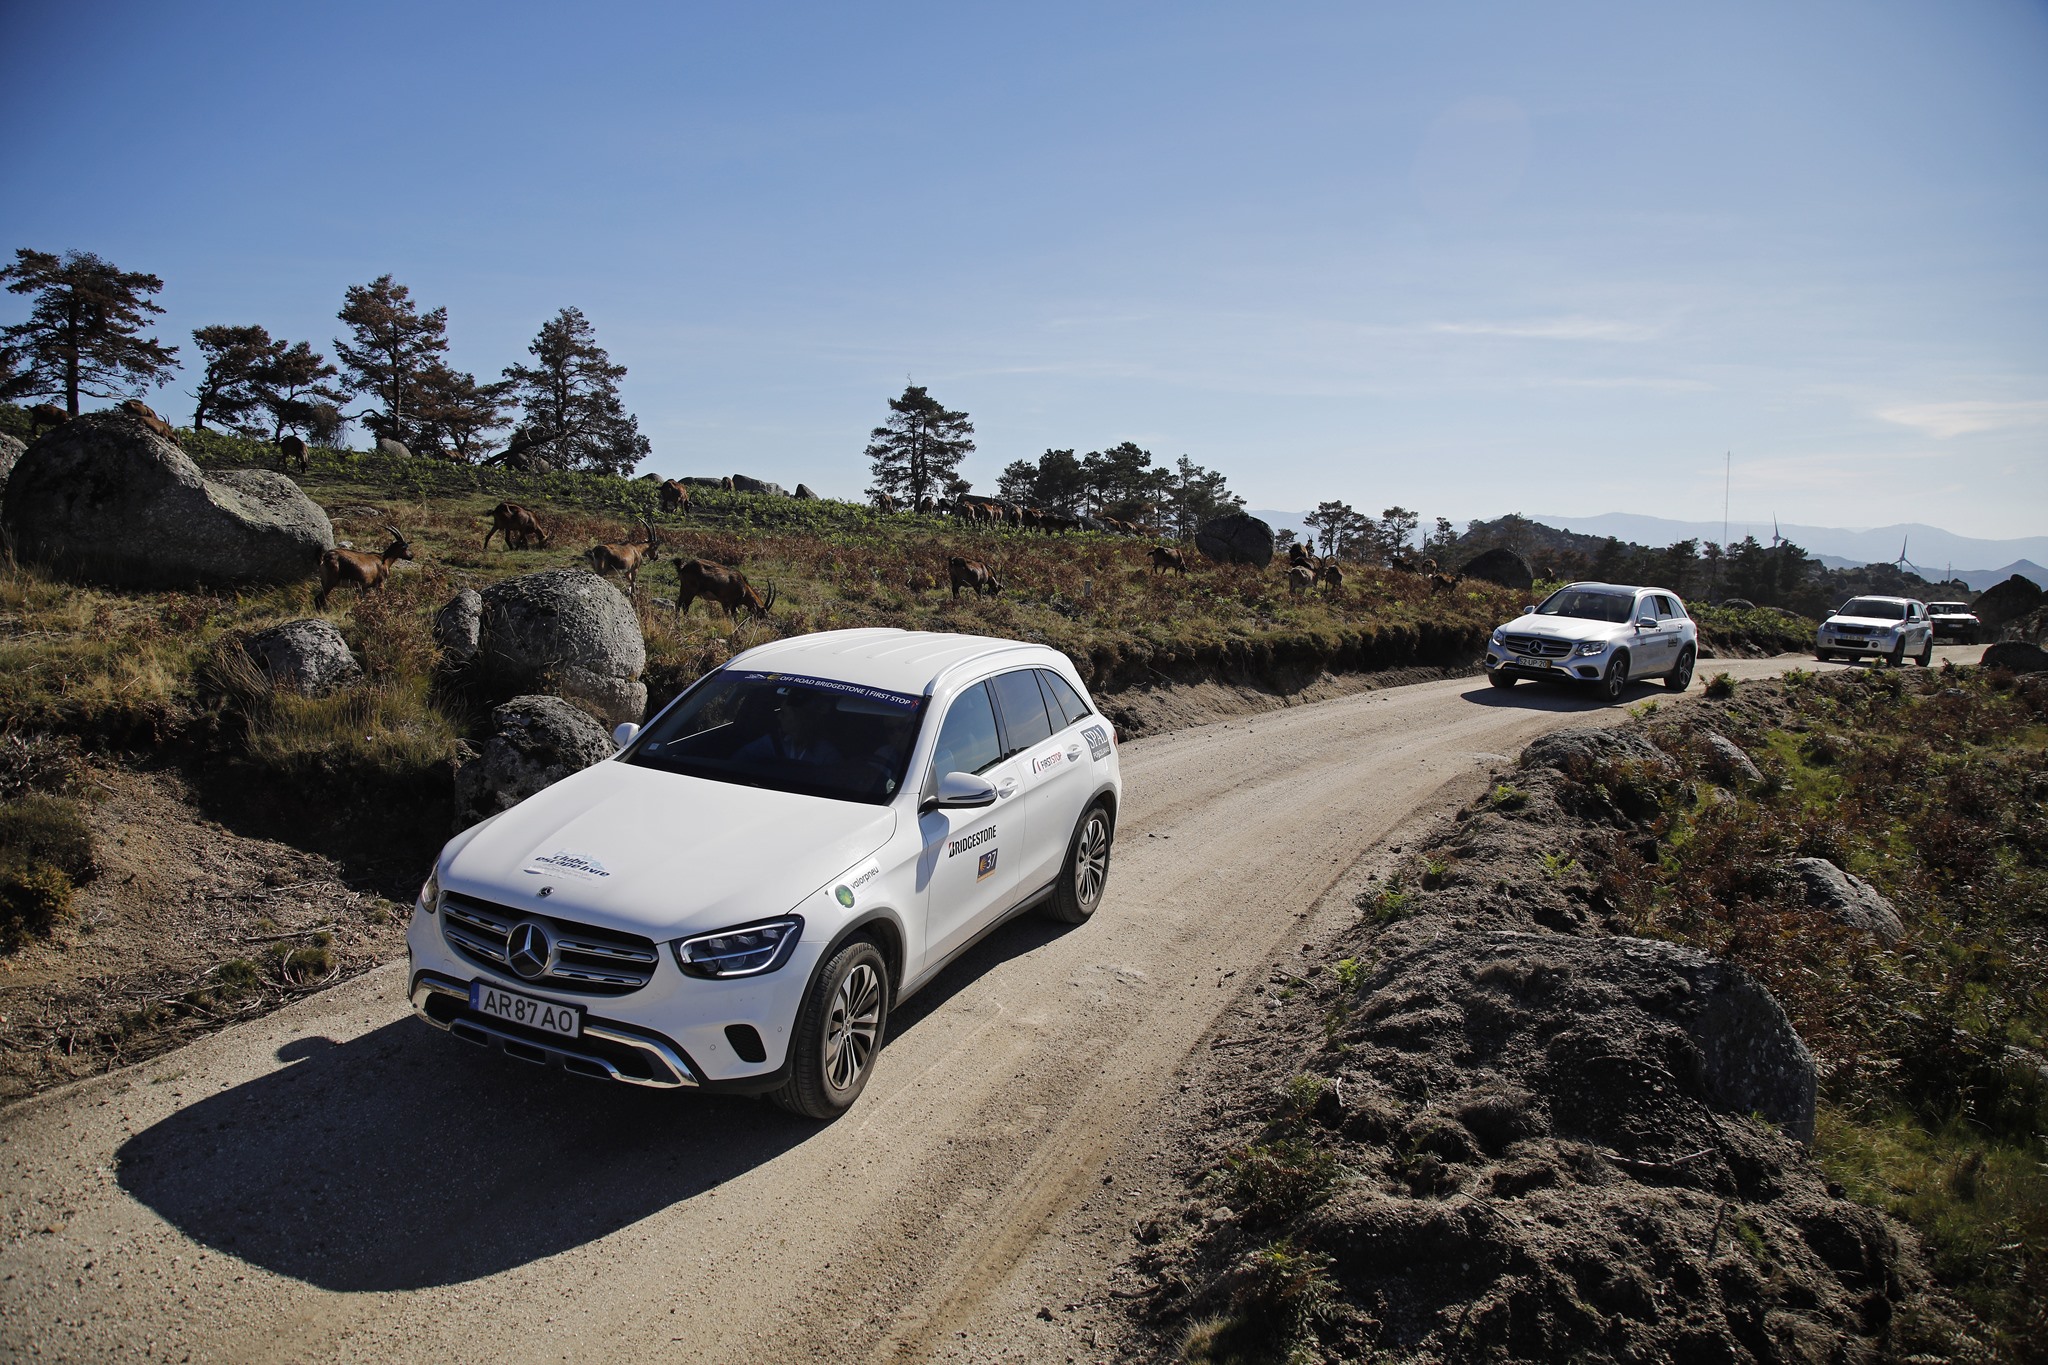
1331 576
606 560
1299 554
340 568
884 503
675 496
725 485
147 414
1300 579
715 583
928 506
1444 582
289 448
1164 558
971 573
517 525
45 415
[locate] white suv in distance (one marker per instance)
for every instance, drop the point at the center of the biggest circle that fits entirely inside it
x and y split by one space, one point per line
1605 634
1954 621
738 898
1889 628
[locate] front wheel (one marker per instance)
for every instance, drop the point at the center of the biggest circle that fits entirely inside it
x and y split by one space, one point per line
838 1031
1502 678
1926 653
1680 678
1085 872
1824 655
1615 680
1897 658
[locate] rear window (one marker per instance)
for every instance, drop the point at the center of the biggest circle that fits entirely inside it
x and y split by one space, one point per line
1024 716
1061 697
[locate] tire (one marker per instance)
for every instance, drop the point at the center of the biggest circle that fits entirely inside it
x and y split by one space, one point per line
1501 679
1926 658
1824 655
839 1029
1897 658
1615 680
1085 872
1680 678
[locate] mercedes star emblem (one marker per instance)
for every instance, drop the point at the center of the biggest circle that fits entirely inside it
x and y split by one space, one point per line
546 891
530 951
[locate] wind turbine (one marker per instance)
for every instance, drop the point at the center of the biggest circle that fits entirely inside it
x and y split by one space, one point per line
1902 563
1776 539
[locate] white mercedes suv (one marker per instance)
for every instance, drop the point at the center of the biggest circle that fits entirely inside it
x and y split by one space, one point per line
738 898
1599 633
1889 627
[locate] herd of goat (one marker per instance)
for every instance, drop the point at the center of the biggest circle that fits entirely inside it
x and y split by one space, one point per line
519 529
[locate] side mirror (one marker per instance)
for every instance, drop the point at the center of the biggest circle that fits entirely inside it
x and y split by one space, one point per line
1646 623
962 791
623 735
1529 609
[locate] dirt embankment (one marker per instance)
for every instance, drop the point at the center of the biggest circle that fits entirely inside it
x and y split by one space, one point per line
1490 1124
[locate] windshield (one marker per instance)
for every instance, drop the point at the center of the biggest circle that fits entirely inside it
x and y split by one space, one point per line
1875 609
1948 608
812 736
1587 605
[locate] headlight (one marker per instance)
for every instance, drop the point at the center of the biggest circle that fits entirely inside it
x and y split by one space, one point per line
748 950
1589 647
430 891
1500 635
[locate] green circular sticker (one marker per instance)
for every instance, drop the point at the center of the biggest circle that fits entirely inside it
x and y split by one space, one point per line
845 894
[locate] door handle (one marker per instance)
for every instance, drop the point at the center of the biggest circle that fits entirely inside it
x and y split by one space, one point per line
1073 753
1006 787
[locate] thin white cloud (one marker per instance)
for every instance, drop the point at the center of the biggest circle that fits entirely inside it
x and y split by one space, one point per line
1574 328
1943 420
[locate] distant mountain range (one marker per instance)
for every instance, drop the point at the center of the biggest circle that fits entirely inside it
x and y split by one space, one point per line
1936 554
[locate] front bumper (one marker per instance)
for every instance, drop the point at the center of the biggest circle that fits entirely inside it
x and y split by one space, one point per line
1855 645
675 1032
1583 668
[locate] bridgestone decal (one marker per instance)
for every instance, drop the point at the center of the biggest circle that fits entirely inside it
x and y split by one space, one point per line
974 840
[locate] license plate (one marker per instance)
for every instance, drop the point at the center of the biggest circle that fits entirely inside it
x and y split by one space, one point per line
1533 663
513 1008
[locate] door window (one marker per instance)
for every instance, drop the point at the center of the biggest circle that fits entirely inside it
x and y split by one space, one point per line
967 741
1024 719
1061 698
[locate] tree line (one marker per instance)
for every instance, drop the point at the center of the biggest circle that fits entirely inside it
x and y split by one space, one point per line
916 454
85 337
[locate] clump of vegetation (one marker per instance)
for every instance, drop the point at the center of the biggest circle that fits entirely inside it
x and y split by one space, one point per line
1282 1295
1507 797
1720 687
1274 1180
46 850
1932 788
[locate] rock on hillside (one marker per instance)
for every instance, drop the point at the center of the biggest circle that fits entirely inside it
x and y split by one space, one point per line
535 742
10 451
2016 655
104 499
307 656
2007 601
1236 538
1501 566
387 446
564 631
742 484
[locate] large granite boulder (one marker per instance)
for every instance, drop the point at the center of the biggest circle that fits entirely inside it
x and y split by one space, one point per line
1593 748
564 631
1846 898
307 656
457 628
1236 538
1501 566
1730 762
742 484
535 742
104 499
2016 656
2007 601
10 451
804 494
387 446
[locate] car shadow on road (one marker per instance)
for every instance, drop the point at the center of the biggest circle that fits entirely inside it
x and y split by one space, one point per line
407 1159
1568 698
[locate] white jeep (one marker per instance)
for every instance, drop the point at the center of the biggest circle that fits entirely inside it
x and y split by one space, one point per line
1603 634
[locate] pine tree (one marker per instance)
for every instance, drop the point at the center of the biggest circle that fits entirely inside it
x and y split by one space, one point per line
1195 495
394 347
569 400
1336 526
84 335
457 415
228 393
917 451
294 383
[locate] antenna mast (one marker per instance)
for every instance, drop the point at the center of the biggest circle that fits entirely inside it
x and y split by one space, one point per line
1727 473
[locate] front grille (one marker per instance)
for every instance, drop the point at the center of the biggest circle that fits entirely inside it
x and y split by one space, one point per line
1539 646
588 960
1851 630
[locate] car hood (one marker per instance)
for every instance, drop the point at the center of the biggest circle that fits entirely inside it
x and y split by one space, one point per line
1569 628
1879 622
660 854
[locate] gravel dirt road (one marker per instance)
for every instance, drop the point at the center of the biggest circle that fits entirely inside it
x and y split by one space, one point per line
337 1181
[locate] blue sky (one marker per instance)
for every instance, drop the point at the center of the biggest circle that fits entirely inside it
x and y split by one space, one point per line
1469 259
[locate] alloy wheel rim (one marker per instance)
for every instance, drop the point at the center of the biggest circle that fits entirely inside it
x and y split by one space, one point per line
853 1025
1091 861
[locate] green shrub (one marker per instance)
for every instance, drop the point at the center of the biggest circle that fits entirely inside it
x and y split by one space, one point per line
46 830
33 897
1721 686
